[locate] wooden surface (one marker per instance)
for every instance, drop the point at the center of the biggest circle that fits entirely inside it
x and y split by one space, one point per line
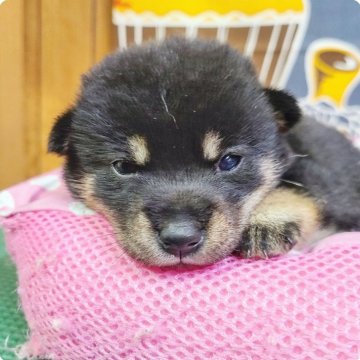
32 93
45 47
12 135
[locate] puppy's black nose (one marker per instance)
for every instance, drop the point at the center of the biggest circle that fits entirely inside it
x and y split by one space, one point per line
180 238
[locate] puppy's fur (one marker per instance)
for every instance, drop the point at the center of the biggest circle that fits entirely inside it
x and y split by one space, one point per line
144 144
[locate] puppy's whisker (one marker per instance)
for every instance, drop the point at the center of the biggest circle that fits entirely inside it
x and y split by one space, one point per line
162 97
107 242
112 233
108 236
299 155
105 252
107 247
111 266
292 183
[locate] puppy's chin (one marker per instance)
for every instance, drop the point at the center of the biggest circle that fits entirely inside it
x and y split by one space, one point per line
208 255
158 257
202 261
148 252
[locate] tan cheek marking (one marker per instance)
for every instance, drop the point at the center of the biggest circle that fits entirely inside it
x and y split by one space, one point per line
220 240
88 187
142 226
139 240
84 187
139 150
269 170
217 229
136 240
211 145
91 201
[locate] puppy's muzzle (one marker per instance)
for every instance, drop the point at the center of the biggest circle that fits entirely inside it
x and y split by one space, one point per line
180 217
181 237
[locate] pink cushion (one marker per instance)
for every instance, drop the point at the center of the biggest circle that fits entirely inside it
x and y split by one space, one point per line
85 299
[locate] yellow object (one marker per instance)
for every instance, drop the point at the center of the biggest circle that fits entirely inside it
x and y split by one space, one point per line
333 70
195 7
268 31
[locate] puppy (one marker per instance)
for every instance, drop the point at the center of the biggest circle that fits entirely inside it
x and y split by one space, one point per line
190 159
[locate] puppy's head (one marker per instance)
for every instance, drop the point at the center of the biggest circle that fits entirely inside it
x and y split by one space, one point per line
175 144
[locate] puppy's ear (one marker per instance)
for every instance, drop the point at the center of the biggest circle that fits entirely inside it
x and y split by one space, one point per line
59 135
286 108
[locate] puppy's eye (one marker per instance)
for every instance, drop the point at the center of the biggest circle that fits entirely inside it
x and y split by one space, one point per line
229 162
124 167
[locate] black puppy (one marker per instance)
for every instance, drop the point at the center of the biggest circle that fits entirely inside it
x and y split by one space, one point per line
190 159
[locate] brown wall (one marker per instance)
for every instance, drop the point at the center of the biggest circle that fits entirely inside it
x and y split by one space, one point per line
45 46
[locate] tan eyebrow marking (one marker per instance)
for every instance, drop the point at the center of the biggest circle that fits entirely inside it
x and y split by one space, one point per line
211 145
139 150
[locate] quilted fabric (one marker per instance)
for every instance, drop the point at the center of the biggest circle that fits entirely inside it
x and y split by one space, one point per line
85 299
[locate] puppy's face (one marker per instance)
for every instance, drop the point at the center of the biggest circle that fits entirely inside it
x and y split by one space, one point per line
175 144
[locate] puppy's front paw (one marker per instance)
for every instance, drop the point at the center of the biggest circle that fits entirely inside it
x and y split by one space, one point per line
268 240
